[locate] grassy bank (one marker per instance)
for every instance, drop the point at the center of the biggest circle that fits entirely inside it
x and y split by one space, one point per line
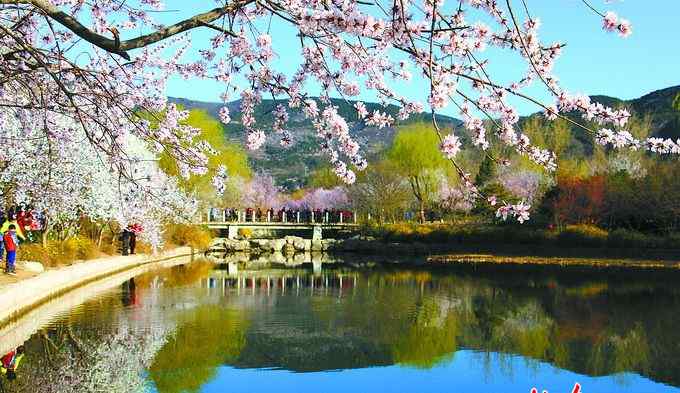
572 241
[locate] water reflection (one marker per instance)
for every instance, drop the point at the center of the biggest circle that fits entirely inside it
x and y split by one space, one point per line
195 328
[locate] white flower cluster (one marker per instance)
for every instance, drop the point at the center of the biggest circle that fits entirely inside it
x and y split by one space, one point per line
624 139
519 211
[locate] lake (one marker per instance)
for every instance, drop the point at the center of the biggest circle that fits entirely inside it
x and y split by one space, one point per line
365 328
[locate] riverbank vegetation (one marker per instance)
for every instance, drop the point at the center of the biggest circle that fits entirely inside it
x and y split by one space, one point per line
81 247
569 236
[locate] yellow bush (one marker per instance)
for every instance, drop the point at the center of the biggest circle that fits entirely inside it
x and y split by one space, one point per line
583 235
245 233
59 252
422 230
34 252
109 248
401 228
188 235
399 231
590 231
80 248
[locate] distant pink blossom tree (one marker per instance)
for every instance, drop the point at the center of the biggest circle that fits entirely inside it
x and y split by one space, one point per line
524 183
261 192
321 198
454 197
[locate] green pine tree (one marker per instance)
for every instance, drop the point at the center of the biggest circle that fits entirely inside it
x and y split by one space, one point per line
487 171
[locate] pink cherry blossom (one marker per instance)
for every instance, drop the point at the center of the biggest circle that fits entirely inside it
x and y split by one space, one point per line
255 139
224 115
450 146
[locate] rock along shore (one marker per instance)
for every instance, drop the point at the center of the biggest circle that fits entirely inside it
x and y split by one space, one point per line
18 298
292 244
293 249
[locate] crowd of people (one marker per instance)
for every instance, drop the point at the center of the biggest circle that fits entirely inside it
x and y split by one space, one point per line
25 218
282 215
18 223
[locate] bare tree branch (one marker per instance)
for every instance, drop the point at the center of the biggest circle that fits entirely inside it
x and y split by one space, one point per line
121 47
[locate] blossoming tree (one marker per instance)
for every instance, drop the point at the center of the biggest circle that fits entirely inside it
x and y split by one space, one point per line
321 198
102 63
261 192
65 179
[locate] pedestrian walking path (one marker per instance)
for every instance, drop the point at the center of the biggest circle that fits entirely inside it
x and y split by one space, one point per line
27 291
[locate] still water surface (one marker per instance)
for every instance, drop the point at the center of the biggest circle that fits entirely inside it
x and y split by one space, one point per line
195 328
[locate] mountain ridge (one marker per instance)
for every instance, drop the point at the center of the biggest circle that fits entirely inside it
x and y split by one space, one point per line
291 166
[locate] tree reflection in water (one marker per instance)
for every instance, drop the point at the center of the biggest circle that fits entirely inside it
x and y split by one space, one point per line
64 361
206 338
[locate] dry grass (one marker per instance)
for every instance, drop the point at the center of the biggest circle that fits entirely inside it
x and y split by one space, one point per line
59 253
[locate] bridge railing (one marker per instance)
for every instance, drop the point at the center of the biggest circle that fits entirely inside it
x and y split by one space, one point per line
281 216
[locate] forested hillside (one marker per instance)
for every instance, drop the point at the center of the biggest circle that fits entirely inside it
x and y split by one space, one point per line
291 166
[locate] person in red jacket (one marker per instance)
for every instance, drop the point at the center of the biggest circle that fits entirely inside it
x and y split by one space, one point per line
10 362
11 243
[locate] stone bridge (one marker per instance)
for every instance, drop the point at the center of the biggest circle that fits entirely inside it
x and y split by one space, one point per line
315 228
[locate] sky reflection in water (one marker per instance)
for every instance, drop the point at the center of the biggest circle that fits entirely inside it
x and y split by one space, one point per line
461 374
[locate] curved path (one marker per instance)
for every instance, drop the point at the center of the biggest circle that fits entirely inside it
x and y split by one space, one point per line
27 305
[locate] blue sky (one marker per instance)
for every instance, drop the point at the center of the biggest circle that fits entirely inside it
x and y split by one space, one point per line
594 62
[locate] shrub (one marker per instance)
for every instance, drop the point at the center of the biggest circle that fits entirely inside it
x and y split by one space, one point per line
672 240
488 235
35 253
245 233
583 235
623 238
60 252
401 232
111 248
78 247
422 232
188 235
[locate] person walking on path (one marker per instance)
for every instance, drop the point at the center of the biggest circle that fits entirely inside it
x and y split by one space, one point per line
125 241
11 242
133 241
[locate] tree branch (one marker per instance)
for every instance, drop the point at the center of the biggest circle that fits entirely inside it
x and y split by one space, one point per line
121 47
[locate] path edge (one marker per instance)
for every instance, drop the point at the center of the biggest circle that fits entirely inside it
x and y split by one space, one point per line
21 297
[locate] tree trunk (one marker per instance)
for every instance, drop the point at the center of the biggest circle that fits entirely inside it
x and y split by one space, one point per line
101 236
46 230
